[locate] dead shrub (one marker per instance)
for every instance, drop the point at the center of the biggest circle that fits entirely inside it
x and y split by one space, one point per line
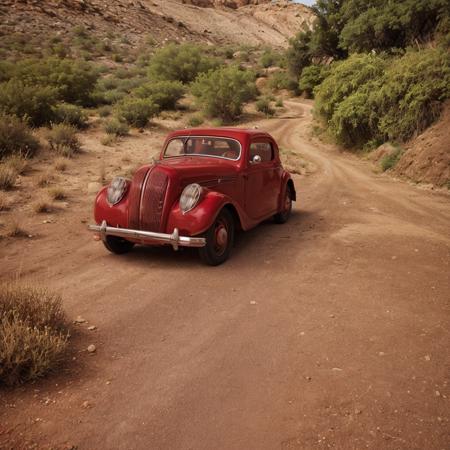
33 332
18 163
8 177
42 206
63 140
13 229
61 164
57 193
44 179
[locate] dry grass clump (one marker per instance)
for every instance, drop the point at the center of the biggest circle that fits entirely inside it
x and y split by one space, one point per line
44 179
13 229
4 202
57 193
61 164
33 332
8 177
108 140
63 140
42 206
17 163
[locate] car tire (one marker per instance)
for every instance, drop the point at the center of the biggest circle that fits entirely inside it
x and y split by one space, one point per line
219 239
283 216
117 245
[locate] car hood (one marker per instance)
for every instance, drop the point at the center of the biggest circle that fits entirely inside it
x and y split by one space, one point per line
199 169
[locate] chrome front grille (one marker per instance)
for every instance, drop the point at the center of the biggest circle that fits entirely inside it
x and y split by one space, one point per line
152 200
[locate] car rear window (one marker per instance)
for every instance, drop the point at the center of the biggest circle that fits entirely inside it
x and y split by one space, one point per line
216 147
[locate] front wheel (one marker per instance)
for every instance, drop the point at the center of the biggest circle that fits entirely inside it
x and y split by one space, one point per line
219 240
285 213
117 245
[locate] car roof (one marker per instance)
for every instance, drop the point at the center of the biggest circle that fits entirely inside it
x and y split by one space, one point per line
232 132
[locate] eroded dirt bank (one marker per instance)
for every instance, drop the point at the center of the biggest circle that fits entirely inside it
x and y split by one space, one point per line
331 331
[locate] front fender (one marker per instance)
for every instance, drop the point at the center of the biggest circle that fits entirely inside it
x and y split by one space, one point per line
115 216
199 219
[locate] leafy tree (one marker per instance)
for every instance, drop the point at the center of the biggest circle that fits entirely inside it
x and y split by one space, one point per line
311 77
179 63
222 92
137 112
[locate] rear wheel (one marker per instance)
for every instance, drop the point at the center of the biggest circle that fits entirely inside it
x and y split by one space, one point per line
219 240
117 245
285 213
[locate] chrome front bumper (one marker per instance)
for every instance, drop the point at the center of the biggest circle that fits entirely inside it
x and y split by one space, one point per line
174 239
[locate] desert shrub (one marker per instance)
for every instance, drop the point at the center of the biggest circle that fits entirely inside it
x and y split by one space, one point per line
18 162
33 333
33 103
375 98
345 99
63 139
15 137
222 92
282 80
104 111
269 58
389 161
164 93
413 90
57 193
179 63
279 103
195 121
74 81
311 77
136 111
41 206
263 105
61 164
115 127
70 114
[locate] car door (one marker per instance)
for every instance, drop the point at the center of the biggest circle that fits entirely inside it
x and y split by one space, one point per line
262 180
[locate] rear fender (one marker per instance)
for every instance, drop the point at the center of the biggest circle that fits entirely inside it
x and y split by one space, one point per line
286 181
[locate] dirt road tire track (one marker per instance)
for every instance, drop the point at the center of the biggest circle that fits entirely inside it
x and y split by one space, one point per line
330 331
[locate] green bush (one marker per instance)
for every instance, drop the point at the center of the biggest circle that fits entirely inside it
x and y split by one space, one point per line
136 111
269 58
16 138
389 161
164 93
33 103
195 121
222 92
104 111
282 80
33 333
74 81
311 77
179 63
63 140
116 128
370 98
70 114
263 105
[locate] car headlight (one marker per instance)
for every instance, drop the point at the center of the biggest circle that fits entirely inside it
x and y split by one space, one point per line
190 197
116 190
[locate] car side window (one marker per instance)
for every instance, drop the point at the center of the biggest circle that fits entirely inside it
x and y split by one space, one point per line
263 149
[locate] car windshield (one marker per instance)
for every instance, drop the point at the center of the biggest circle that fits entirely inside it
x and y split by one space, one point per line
216 147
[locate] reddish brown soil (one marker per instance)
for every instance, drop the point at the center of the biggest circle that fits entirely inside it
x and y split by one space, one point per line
427 157
331 331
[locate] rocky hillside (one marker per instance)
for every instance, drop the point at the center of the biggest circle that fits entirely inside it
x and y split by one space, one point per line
249 22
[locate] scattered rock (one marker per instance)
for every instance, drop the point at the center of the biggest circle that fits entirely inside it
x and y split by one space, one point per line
92 328
92 348
86 405
381 353
79 320
427 358
253 302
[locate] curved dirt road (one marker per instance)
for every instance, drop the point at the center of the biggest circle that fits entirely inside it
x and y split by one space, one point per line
331 331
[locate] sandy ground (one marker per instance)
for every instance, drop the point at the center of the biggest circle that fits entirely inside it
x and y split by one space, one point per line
331 331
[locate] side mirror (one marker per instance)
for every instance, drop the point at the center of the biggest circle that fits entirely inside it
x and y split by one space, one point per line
256 159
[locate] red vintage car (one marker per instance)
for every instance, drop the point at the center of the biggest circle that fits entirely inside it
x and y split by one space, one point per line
206 184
